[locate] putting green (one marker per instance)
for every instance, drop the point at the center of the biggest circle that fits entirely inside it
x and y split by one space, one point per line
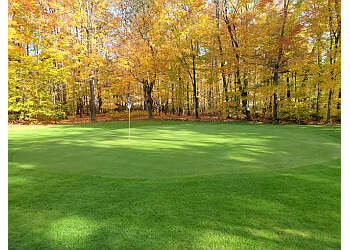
170 148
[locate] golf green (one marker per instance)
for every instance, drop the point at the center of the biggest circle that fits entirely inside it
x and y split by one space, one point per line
174 185
168 149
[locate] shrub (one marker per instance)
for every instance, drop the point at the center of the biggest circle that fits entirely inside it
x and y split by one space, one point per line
137 113
298 112
125 113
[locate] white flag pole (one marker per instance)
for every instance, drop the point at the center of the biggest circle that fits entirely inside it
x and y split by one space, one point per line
129 107
129 124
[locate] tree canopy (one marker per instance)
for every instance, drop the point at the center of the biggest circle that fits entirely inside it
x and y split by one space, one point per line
240 59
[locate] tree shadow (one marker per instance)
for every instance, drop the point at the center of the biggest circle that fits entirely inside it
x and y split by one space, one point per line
90 212
168 150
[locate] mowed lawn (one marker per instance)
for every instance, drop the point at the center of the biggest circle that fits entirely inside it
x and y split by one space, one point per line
174 185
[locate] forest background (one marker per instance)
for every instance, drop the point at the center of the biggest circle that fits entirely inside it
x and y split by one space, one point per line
243 60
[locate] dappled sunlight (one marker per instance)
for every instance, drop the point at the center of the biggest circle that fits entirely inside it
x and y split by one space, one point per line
166 149
242 159
312 178
71 231
262 233
293 232
26 166
211 239
18 180
252 210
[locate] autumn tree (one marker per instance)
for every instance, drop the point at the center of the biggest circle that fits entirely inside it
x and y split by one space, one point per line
278 60
139 54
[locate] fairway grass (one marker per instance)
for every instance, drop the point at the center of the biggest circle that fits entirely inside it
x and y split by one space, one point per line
174 185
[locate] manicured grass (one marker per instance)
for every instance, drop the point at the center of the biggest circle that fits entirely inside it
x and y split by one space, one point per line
175 185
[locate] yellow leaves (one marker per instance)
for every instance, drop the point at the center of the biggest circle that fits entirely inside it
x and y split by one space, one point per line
102 5
161 40
54 5
186 51
11 33
11 30
124 63
109 106
98 35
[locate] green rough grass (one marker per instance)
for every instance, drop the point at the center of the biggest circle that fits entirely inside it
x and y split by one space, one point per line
175 185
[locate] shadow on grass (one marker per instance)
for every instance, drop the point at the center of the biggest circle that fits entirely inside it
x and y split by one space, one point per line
168 150
270 210
54 206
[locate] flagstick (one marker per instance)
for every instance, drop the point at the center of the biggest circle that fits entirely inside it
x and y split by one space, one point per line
129 107
129 124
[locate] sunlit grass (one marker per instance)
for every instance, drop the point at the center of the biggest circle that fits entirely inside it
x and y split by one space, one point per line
174 185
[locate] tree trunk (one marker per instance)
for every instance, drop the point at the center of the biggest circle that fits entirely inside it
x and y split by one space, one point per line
329 107
244 95
91 80
295 87
92 101
238 84
277 64
195 89
188 100
318 103
274 112
172 99
222 64
100 110
147 90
